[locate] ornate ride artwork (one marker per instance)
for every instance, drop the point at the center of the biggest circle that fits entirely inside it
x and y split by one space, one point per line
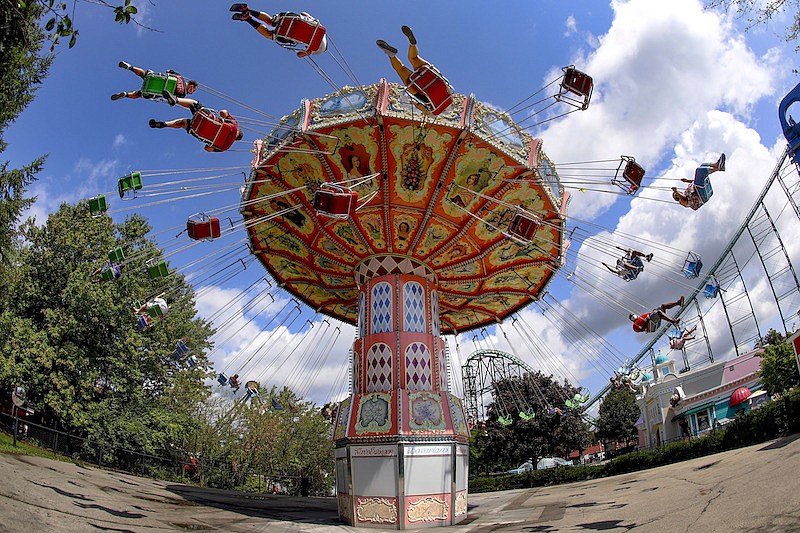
461 503
374 414
427 510
426 412
457 414
439 194
343 420
376 510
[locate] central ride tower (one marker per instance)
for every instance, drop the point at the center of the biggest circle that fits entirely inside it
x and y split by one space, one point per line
409 227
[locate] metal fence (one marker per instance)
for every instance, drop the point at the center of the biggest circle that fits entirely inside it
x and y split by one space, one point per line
140 463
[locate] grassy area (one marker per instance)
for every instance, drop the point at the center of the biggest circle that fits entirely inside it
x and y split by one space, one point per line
23 448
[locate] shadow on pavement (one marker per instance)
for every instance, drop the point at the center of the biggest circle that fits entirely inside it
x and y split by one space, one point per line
313 510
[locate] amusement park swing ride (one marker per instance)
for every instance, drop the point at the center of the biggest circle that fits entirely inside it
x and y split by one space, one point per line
410 212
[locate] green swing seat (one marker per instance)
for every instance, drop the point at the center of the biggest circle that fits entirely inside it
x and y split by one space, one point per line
97 205
128 185
525 416
116 255
157 269
155 84
505 421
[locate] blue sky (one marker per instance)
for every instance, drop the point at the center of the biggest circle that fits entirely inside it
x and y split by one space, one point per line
675 85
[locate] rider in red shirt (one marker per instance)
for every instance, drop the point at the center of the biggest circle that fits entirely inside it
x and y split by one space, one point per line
649 322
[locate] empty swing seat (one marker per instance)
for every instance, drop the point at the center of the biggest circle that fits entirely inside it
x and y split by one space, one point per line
692 265
97 205
631 179
335 202
524 226
711 290
576 88
181 349
222 379
206 228
191 362
292 30
128 185
157 269
116 255
430 89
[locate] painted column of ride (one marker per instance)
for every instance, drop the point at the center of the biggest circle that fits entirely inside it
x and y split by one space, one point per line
401 450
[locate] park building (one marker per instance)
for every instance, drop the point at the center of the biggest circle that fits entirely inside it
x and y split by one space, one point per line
675 405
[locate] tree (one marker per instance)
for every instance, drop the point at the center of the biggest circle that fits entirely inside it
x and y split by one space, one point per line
778 365
292 440
618 414
761 13
543 435
22 70
73 340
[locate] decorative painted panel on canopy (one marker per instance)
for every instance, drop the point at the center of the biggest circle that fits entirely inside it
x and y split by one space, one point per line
437 195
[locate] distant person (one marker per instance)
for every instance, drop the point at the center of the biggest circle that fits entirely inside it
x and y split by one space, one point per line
650 322
677 343
153 83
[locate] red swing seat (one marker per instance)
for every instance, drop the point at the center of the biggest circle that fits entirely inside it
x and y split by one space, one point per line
430 89
576 88
524 226
212 129
201 227
293 30
631 179
335 201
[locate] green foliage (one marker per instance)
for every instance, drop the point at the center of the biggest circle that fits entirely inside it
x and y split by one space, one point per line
22 70
618 414
758 14
60 23
503 447
774 419
73 342
293 441
778 365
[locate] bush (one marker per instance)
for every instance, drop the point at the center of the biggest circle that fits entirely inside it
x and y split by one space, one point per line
774 419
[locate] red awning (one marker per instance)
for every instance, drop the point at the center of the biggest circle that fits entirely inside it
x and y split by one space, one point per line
739 396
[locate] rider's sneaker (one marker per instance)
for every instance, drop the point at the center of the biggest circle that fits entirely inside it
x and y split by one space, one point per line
390 50
169 98
410 34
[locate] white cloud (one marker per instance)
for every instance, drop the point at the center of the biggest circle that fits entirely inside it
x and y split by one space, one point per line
659 68
88 178
571 24
119 141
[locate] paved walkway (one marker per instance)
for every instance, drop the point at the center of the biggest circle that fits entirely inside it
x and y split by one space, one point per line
753 489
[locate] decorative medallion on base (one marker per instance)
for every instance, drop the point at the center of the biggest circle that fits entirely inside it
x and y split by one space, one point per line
427 509
376 510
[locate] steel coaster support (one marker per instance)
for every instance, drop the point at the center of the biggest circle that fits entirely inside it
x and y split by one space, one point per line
705 331
777 266
482 369
791 189
730 273
712 270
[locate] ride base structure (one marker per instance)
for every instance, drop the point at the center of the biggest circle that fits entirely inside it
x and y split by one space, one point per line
410 228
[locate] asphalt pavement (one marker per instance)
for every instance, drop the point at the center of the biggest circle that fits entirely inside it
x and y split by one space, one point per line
754 489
